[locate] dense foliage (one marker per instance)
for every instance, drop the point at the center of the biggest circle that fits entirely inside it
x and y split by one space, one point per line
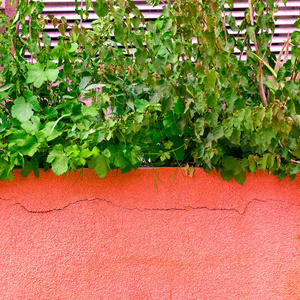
178 91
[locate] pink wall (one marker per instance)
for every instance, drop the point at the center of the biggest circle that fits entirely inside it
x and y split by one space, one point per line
10 11
123 238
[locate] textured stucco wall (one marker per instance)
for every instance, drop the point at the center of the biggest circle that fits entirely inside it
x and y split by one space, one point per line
123 238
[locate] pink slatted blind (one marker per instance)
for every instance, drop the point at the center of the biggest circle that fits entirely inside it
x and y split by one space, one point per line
287 15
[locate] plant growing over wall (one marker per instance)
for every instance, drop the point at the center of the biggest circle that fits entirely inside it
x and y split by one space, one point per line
177 91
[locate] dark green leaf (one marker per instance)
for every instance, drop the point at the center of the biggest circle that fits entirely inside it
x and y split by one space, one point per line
100 165
226 175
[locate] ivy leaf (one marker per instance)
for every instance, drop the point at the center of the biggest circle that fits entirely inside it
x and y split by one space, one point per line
240 177
58 159
40 6
218 132
89 111
141 104
57 151
295 37
151 26
226 175
101 8
6 87
21 110
100 165
60 165
84 82
211 78
178 107
141 55
51 74
46 39
297 23
32 100
212 100
36 75
199 127
30 127
296 152
230 20
229 163
119 16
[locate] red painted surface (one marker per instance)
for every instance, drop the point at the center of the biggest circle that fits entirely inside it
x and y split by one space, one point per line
123 238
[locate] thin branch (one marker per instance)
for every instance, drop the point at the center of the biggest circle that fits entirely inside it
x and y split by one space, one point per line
295 161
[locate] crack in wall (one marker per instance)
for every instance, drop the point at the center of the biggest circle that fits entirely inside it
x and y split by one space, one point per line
185 208
5 199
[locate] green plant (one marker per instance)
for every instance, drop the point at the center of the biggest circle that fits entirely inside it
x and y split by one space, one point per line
164 92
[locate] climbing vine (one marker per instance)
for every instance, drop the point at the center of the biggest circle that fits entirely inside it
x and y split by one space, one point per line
178 91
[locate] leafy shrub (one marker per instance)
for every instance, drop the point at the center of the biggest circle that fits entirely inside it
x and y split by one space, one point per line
178 91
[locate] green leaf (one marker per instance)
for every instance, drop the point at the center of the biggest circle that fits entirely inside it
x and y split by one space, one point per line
50 132
35 105
151 26
89 111
84 82
211 78
30 127
141 104
6 87
226 175
119 16
230 98
270 4
297 23
229 163
230 20
159 64
60 165
73 48
296 152
21 110
100 165
178 107
199 127
240 177
218 132
235 137
141 55
251 32
51 74
57 151
119 33
212 100
101 8
40 6
46 39
263 162
295 37
36 75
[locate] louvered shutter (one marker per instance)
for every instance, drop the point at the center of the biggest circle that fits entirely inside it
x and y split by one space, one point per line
66 8
287 15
